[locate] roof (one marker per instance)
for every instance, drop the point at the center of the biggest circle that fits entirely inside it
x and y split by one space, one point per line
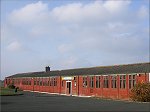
101 70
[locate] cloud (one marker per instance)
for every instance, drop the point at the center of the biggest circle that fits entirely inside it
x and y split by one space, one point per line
84 26
99 11
116 6
73 13
78 34
14 46
29 14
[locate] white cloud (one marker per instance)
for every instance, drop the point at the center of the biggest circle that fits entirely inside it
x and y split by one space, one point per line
29 14
97 10
78 34
14 46
116 6
86 26
77 13
69 12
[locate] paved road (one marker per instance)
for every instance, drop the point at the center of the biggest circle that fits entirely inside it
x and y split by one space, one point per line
45 102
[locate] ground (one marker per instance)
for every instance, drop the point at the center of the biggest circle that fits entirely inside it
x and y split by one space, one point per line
45 102
8 92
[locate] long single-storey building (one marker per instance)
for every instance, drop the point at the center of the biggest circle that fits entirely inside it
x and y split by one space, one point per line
104 81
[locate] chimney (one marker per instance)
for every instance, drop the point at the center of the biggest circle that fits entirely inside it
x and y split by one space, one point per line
47 68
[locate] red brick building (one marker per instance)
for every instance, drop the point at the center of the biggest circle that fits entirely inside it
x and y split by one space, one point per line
104 81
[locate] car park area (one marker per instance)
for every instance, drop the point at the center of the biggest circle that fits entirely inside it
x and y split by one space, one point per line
30 101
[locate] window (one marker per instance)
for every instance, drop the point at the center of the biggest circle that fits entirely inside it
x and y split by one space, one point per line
45 82
98 78
22 81
92 82
84 81
132 81
34 81
50 81
62 84
114 82
55 81
106 83
40 81
122 81
26 81
29 83
75 81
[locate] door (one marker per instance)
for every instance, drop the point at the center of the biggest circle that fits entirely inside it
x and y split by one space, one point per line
68 87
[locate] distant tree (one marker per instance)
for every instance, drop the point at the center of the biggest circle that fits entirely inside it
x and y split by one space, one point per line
1 83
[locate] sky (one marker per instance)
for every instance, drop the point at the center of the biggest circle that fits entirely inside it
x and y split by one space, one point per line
66 34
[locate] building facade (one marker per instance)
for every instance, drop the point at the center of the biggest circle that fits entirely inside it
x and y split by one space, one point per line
106 81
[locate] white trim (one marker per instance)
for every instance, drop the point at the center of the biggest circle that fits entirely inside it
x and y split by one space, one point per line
84 96
59 93
53 93
114 74
97 75
40 92
105 75
63 94
67 78
74 95
121 74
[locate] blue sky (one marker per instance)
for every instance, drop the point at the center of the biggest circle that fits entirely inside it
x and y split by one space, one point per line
72 34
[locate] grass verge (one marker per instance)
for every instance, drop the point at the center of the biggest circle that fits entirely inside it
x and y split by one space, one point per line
9 92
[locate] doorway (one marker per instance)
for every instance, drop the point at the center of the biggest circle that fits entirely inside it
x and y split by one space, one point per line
68 87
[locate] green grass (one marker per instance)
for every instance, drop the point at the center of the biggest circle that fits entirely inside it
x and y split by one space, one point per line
8 92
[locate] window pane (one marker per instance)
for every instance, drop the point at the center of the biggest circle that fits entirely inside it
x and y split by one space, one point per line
106 84
124 77
62 84
134 82
124 84
97 82
120 83
92 82
130 82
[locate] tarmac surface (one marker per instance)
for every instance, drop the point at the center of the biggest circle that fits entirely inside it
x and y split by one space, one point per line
45 102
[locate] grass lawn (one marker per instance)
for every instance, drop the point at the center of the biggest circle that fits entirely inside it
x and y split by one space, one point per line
7 91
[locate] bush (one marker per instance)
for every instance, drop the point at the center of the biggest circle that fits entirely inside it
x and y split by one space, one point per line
11 86
141 92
